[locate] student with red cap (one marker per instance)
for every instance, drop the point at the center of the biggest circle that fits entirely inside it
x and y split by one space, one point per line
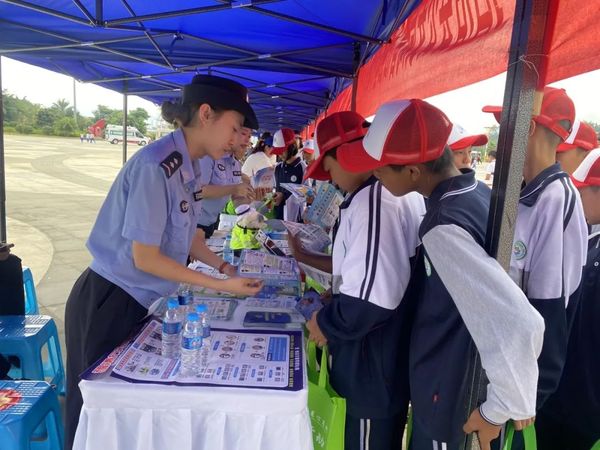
549 247
289 170
571 153
461 143
455 316
366 325
571 417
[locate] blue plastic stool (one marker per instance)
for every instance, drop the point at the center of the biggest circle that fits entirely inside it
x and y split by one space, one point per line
24 407
24 337
31 305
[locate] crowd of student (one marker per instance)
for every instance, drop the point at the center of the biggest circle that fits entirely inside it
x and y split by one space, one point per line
414 294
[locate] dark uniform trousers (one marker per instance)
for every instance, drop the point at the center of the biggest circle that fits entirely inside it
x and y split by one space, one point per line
99 316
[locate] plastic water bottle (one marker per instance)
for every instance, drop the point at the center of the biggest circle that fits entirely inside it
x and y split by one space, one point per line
202 311
227 251
191 341
171 330
185 295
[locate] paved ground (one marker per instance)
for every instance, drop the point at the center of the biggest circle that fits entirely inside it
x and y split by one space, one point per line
55 187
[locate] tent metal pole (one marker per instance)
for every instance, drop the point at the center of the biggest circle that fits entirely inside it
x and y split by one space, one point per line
49 11
356 70
181 12
124 122
85 12
2 167
99 12
318 26
529 28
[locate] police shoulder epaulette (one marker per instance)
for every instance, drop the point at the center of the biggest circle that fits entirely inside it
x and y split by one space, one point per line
171 163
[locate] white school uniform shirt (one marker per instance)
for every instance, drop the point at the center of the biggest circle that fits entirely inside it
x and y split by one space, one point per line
376 236
256 162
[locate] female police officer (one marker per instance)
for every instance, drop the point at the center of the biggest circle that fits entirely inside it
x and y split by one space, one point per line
144 230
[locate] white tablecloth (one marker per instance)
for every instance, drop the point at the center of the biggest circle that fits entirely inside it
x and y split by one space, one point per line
117 415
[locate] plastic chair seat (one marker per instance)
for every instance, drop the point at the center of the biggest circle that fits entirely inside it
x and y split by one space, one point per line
24 407
25 337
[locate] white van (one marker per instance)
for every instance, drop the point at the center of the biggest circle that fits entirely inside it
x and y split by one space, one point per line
114 135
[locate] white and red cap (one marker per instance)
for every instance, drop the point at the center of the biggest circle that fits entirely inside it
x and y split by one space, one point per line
282 139
582 136
459 138
588 172
403 132
556 107
333 131
308 146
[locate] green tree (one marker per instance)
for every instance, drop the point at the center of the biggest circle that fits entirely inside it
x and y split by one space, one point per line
62 108
65 126
46 117
138 118
102 112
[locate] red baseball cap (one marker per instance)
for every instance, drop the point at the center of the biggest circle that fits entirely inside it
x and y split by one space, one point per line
403 132
556 106
588 172
459 138
334 130
582 136
282 139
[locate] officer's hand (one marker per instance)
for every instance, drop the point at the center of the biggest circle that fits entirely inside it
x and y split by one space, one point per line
486 432
278 198
244 190
522 424
242 286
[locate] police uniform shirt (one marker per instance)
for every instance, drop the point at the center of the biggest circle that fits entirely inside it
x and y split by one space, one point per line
375 240
455 311
225 171
154 201
549 252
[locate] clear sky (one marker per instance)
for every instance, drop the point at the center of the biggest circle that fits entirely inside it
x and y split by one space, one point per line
462 105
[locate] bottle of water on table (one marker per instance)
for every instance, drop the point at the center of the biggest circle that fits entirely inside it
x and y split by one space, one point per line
185 295
171 330
191 341
202 311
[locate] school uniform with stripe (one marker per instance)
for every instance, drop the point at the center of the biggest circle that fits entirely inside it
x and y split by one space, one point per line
467 303
366 323
549 252
571 416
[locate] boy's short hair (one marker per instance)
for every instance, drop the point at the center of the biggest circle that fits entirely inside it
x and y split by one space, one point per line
439 165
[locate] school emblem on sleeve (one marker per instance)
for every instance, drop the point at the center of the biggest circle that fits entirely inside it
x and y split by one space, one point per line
293 178
427 266
519 250
184 206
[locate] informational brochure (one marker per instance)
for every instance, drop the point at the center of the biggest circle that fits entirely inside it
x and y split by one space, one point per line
324 210
257 264
264 178
250 359
323 278
313 237
283 302
297 190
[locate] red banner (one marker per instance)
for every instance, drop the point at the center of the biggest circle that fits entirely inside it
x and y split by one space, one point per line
447 44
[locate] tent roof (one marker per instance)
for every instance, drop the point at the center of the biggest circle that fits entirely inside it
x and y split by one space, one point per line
295 56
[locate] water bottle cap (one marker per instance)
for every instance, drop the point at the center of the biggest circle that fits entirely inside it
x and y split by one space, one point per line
193 317
172 303
201 308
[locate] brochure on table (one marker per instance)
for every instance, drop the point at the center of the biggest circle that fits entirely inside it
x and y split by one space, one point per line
250 359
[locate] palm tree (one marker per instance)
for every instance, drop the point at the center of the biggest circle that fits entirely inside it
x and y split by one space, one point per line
62 107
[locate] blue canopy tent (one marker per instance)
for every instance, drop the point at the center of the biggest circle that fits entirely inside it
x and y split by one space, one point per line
293 55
